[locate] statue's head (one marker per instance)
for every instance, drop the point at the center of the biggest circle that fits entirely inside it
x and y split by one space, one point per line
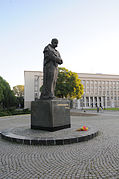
54 43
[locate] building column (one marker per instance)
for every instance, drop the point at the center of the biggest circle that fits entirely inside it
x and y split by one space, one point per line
93 102
78 104
102 102
84 101
105 101
89 102
98 101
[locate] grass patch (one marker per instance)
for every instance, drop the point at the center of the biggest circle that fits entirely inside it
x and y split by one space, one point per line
112 109
11 112
91 109
107 109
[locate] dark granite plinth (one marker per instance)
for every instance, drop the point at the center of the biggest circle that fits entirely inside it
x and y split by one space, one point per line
50 115
25 135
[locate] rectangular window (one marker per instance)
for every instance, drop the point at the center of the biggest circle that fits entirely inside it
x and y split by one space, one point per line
107 92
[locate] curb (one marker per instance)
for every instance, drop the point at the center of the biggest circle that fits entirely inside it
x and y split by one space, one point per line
9 136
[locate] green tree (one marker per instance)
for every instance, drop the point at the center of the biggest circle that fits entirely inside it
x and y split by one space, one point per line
19 93
19 90
7 97
68 85
1 91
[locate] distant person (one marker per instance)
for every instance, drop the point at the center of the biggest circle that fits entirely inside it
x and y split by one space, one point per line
101 108
97 109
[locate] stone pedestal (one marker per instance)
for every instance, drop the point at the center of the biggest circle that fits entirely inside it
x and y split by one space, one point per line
50 115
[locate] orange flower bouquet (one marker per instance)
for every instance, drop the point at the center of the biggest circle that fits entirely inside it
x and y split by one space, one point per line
83 128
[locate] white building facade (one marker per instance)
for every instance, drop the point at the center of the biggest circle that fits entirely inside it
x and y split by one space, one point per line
33 80
99 89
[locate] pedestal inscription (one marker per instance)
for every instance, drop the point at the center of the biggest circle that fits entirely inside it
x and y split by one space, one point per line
50 115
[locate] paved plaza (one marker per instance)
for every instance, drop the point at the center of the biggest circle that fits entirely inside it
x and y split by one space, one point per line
94 159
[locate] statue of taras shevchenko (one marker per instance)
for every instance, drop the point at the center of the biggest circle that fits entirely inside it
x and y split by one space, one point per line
50 70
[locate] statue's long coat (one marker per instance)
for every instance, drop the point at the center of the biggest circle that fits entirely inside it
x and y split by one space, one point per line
50 71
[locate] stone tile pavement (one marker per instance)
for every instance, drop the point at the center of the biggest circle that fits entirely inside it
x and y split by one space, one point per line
94 159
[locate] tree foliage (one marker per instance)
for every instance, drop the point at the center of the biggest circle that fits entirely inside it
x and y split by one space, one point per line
19 93
19 90
7 97
68 85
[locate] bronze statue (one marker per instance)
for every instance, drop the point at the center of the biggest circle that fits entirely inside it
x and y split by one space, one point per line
50 71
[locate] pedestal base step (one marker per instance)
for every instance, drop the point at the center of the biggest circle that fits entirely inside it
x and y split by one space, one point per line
25 135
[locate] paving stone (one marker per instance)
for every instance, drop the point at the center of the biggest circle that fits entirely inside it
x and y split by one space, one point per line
96 159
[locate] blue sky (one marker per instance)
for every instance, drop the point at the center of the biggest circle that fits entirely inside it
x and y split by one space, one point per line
88 33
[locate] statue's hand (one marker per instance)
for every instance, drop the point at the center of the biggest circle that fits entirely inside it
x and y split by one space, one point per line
60 62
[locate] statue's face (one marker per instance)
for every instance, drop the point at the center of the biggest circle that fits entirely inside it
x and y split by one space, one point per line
54 43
